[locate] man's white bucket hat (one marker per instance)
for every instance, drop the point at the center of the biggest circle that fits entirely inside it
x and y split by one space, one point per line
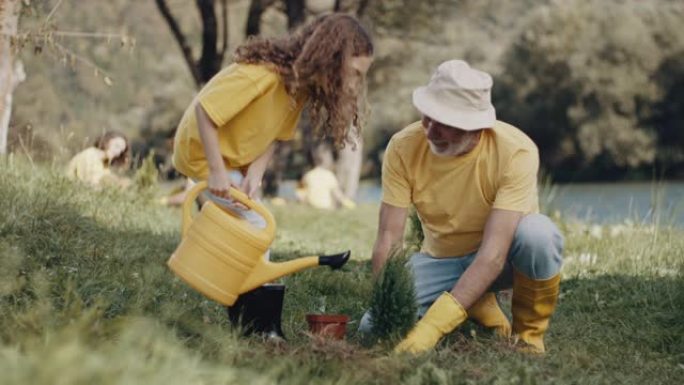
458 96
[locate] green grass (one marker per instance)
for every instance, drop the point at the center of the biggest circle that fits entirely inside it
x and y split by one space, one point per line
86 298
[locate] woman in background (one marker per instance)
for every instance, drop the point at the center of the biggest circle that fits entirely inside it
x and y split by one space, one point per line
93 165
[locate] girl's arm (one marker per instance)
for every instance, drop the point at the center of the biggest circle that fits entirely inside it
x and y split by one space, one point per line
255 171
218 182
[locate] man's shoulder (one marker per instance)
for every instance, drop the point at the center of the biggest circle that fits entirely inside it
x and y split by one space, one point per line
409 136
511 137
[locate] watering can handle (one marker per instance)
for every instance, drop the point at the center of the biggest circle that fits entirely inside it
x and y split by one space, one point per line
234 194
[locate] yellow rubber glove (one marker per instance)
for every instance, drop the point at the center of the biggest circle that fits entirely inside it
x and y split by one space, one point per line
486 312
441 318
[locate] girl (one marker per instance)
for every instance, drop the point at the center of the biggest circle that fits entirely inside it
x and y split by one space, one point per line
92 165
228 134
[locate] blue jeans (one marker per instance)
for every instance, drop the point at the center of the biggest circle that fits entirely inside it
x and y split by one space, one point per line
535 252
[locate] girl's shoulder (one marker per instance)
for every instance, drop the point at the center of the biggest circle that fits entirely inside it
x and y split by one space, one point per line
261 74
90 153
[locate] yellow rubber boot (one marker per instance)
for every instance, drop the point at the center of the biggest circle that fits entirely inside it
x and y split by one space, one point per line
533 304
487 312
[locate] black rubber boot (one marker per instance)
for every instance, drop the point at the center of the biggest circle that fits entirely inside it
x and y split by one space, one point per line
259 311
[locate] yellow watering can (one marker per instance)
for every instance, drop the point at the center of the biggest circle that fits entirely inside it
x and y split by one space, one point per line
222 255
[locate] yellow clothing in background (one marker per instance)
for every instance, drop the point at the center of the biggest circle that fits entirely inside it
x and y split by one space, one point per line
250 108
454 195
89 167
319 187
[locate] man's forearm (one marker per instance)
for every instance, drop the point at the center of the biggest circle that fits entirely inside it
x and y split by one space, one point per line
381 252
490 259
477 278
390 232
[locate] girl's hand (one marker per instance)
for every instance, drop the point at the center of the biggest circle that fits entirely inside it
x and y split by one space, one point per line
255 172
219 183
251 183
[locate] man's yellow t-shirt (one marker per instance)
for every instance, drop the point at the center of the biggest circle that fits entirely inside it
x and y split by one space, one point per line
454 195
250 108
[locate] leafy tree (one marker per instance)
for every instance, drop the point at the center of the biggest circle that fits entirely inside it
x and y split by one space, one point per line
668 116
579 80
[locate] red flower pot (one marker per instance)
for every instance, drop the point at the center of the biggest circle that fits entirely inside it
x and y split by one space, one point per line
328 325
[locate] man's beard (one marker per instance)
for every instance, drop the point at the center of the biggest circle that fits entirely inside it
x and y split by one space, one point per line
453 148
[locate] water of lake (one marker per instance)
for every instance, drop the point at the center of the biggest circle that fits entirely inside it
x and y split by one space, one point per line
594 202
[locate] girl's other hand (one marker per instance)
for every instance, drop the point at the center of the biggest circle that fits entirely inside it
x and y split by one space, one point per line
250 184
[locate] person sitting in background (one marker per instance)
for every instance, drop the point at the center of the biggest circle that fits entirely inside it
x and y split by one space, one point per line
319 187
93 165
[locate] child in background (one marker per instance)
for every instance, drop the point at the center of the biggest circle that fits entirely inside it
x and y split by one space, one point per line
319 187
93 165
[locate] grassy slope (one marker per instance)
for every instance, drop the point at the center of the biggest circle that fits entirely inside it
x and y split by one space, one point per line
85 298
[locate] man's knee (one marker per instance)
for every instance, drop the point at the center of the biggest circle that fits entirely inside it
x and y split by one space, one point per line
537 248
366 323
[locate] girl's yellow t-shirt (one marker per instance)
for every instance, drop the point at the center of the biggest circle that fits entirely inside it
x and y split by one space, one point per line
454 195
250 108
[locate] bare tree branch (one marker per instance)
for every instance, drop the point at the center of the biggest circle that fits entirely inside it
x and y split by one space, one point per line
180 39
295 13
52 12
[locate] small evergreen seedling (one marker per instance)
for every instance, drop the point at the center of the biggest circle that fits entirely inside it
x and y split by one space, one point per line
393 301
146 177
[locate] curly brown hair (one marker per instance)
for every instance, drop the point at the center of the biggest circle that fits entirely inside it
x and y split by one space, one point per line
103 141
313 60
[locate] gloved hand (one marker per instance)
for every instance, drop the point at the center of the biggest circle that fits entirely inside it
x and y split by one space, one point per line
441 318
486 312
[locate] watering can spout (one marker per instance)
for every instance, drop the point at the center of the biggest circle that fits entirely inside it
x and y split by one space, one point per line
266 271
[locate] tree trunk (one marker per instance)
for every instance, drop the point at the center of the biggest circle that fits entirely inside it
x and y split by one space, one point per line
11 71
348 168
211 58
210 62
295 13
256 9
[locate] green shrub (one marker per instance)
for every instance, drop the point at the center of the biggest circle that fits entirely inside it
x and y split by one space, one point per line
393 300
579 79
147 176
